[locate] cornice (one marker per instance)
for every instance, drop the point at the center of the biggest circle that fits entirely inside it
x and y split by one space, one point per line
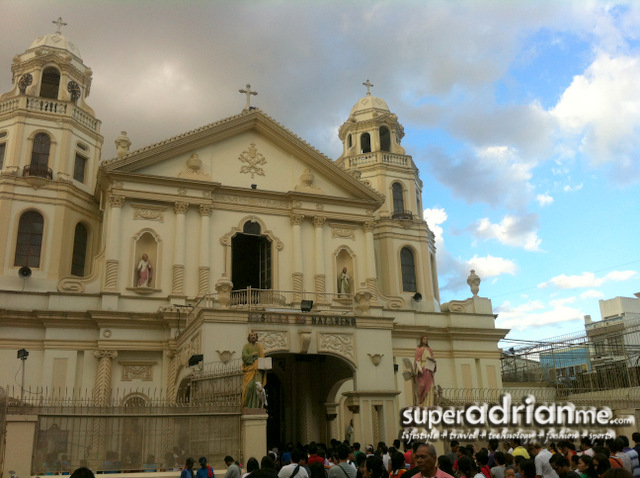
450 333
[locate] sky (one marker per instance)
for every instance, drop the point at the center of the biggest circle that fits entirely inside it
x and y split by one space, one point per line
522 116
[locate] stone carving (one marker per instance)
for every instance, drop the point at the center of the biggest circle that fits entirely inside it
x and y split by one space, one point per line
273 340
296 219
116 200
137 371
305 340
225 355
188 349
369 226
194 169
223 288
111 275
252 201
203 280
339 344
148 212
306 183
177 284
474 283
253 161
180 207
226 239
71 285
123 143
205 209
375 358
343 231
364 301
319 221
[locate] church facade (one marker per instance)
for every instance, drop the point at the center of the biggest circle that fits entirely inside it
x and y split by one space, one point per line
141 272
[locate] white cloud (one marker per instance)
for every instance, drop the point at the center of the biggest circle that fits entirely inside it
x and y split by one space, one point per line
544 199
569 189
435 217
490 266
592 294
535 314
512 231
586 279
601 110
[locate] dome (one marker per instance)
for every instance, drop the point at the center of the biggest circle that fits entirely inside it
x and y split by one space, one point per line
369 103
56 40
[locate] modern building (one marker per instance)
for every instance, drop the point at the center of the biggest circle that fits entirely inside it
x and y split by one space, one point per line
136 280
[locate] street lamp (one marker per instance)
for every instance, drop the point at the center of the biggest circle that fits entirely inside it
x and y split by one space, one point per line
22 355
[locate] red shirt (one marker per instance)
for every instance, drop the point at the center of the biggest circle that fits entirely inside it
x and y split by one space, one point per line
407 457
315 459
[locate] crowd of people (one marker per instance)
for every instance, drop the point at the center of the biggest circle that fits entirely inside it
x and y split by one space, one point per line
613 458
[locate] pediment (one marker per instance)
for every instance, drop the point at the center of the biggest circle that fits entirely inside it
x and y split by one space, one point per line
244 151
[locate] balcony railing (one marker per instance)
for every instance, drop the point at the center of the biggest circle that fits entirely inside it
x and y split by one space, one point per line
407 215
38 171
261 299
52 107
380 157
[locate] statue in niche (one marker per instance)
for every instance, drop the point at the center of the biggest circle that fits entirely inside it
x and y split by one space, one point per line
344 282
252 375
144 270
425 369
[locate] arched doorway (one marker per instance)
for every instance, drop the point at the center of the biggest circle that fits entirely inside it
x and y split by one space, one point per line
298 389
251 258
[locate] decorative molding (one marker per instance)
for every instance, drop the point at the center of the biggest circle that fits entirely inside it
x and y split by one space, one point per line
225 355
319 221
369 226
111 274
194 169
337 344
116 200
70 285
137 371
148 212
106 333
205 209
189 348
178 279
343 231
273 340
180 207
306 183
253 161
320 283
225 240
296 219
305 340
204 274
375 358
252 201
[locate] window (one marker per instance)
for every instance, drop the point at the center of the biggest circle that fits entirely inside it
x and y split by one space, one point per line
79 250
385 139
3 148
40 156
398 197
252 227
407 264
349 141
365 143
29 243
79 168
50 83
82 146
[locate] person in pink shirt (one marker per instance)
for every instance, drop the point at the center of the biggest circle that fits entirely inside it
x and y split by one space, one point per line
426 460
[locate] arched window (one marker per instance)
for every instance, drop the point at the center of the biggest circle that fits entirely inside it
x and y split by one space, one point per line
385 139
365 143
349 141
252 227
398 197
40 156
407 263
50 83
79 250
29 243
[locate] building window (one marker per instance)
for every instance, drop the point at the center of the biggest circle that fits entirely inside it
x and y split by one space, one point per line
79 250
29 243
50 83
349 141
40 157
398 197
79 168
408 266
385 139
365 143
3 149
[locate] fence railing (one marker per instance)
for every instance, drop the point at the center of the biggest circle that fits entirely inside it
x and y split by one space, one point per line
260 299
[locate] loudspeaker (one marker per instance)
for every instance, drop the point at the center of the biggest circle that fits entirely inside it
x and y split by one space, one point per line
417 297
25 272
306 305
195 360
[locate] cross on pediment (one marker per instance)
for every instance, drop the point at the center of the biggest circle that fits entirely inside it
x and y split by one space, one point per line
60 24
368 84
248 92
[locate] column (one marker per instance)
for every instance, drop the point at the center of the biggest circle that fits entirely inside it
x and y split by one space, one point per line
172 376
297 276
320 277
113 242
204 270
180 209
102 389
370 253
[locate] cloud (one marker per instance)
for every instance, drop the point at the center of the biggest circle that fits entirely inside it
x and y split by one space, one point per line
592 294
570 189
600 111
536 314
494 175
586 280
491 266
512 231
544 199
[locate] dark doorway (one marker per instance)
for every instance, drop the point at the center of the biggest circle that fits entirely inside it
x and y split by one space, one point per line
251 261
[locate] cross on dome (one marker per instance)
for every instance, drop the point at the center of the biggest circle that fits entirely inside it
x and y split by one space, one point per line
248 92
60 24
368 84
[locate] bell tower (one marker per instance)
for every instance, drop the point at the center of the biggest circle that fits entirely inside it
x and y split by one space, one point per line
50 146
405 247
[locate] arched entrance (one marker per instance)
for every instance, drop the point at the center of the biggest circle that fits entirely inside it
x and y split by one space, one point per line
298 389
251 258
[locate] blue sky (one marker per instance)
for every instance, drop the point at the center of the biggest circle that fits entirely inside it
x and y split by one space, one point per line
523 117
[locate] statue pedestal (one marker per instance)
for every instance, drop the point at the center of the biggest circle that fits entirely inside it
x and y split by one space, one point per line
254 433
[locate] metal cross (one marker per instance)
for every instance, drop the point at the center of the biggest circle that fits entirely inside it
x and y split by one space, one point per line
60 24
368 84
248 92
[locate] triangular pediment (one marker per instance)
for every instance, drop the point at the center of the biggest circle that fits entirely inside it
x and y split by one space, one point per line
241 151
